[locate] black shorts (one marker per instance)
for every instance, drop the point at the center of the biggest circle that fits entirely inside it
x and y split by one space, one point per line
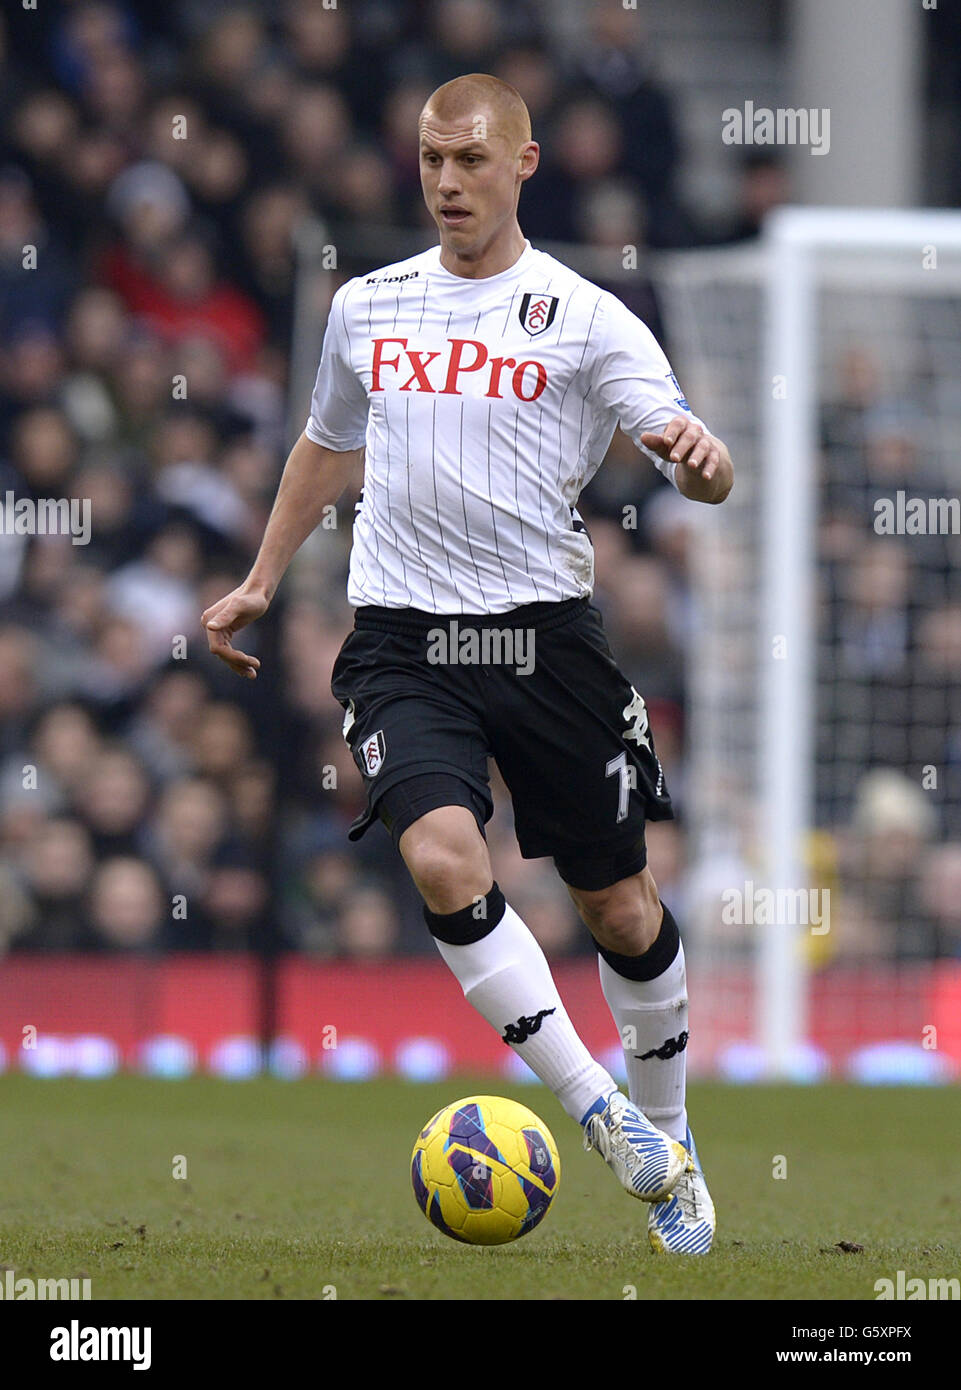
538 690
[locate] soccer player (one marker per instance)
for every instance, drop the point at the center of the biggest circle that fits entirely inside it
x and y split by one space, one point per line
482 381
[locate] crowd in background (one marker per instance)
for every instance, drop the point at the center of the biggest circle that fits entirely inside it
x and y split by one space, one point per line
159 159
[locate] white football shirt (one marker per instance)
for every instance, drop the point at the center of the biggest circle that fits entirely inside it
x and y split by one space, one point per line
485 406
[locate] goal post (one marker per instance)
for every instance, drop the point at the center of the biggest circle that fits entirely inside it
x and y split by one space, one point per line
788 445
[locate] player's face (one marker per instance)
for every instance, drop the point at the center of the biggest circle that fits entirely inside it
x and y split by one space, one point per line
470 177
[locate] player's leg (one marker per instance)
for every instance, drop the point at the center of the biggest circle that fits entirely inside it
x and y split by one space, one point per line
505 976
575 748
496 959
645 984
643 976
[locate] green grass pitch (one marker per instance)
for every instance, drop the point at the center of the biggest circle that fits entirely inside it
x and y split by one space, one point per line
294 1188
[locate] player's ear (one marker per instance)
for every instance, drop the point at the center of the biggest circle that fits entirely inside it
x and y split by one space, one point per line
529 159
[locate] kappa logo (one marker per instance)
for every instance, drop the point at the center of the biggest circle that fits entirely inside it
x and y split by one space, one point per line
525 1027
349 718
666 1051
537 312
372 752
636 713
392 279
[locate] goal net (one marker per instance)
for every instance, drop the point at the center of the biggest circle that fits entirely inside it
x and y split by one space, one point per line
825 669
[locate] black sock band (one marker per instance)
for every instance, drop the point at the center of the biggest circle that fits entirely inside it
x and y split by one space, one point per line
659 955
468 924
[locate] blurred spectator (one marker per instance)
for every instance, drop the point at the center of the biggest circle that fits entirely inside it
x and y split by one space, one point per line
190 824
613 63
764 184
315 897
327 44
893 824
639 628
113 801
584 147
163 729
180 295
610 215
57 866
156 593
402 107
235 901
367 926
529 68
269 221
35 279
872 609
316 128
66 745
127 908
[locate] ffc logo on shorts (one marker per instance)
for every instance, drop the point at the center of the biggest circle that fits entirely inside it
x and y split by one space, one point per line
372 753
537 312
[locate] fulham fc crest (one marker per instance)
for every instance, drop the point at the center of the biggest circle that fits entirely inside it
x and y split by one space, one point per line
372 753
537 312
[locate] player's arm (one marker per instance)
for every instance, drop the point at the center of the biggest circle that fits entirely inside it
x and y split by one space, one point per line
314 477
704 472
633 378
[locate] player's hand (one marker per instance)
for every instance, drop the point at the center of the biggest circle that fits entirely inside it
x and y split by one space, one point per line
227 617
682 440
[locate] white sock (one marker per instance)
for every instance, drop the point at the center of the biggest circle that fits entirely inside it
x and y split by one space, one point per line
505 976
651 1017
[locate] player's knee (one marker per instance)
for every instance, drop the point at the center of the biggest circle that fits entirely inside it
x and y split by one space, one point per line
626 917
447 858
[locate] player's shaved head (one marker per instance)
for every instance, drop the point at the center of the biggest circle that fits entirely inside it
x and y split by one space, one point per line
476 152
478 97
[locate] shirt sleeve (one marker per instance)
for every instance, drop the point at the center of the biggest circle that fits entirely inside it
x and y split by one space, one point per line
633 379
338 406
